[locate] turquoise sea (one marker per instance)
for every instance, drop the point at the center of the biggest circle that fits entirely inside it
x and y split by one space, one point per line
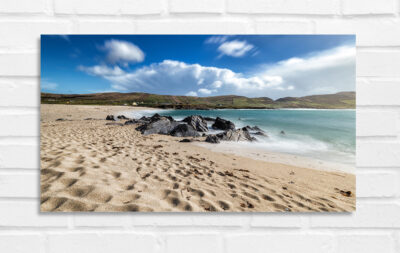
324 134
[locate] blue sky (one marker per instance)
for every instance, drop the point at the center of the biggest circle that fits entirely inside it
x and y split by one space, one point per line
199 65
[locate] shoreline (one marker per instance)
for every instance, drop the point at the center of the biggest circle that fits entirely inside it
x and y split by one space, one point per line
279 157
88 164
267 155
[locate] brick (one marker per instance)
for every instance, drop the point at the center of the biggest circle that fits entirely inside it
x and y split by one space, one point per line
21 243
20 125
106 27
378 154
10 156
19 185
355 7
200 6
192 219
26 34
317 7
19 64
279 243
376 184
377 123
283 27
101 242
367 215
27 90
22 6
369 32
377 63
351 243
378 93
192 27
142 7
26 214
276 220
101 220
194 243
110 7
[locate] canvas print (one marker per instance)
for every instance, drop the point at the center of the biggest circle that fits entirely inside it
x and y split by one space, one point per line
197 123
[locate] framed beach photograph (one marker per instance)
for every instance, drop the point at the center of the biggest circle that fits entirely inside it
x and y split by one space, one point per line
197 123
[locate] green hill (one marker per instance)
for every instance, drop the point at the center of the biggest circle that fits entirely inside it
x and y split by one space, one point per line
341 100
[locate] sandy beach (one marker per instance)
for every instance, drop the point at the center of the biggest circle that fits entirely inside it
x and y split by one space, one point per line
87 165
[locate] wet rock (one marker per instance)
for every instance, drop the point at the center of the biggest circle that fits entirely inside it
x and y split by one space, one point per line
197 122
209 119
122 117
131 122
223 124
157 116
157 125
261 134
212 138
254 128
110 117
184 130
236 135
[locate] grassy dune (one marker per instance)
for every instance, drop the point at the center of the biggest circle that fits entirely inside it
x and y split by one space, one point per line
341 100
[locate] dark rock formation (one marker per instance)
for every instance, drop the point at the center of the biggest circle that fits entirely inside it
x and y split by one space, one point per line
110 117
223 124
212 138
184 130
122 117
236 135
131 122
186 140
209 119
197 122
157 125
261 134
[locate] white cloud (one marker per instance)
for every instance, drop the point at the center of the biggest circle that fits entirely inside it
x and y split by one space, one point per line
205 91
235 48
102 70
49 86
326 71
321 72
191 93
122 52
217 84
175 75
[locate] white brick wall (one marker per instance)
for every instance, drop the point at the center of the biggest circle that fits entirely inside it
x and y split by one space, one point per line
374 227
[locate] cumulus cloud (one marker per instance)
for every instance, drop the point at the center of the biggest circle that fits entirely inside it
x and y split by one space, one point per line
326 71
235 48
170 75
123 52
321 72
205 91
